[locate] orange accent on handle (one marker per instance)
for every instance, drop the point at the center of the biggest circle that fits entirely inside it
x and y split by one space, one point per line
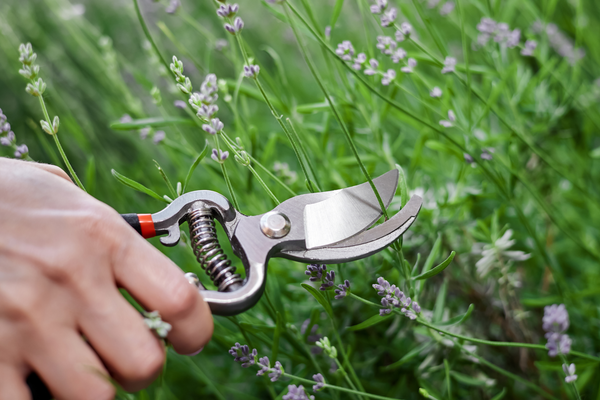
147 226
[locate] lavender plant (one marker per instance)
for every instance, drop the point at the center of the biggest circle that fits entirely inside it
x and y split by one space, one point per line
490 108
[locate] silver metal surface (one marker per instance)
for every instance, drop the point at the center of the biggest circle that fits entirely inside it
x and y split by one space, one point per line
347 212
275 224
323 227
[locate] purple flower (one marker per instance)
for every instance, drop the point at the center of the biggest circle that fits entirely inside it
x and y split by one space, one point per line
144 132
251 71
158 137
513 38
314 336
276 371
416 307
386 44
486 155
215 126
372 68
556 322
206 112
486 25
227 10
399 36
388 77
451 119
569 371
320 382
447 8
173 6
180 104
126 118
529 47
449 65
436 92
406 29
398 55
21 151
468 158
342 290
243 355
237 26
328 281
315 271
297 393
379 6
327 32
220 158
345 50
411 63
8 139
388 17
359 61
264 365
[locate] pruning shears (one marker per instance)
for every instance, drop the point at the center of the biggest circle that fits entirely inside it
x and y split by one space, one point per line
325 228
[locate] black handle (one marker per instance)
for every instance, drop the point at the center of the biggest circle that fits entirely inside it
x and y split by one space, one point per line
134 221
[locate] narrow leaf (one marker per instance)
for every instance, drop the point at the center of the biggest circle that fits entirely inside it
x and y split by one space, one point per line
153 122
438 309
408 356
312 108
374 320
276 336
403 185
194 165
459 319
320 298
437 269
500 395
252 328
136 185
432 255
339 4
466 380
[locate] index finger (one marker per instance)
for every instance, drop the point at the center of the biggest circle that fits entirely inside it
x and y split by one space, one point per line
158 284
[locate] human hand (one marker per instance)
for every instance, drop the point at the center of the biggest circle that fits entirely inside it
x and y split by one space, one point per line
63 256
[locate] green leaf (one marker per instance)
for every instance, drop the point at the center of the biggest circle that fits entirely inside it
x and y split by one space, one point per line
166 179
252 328
540 301
433 254
459 319
153 122
194 165
320 298
437 269
408 356
467 380
500 395
136 185
438 309
339 4
404 197
276 336
374 320
312 108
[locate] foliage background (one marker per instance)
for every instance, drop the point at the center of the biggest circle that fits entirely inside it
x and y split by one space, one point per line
93 83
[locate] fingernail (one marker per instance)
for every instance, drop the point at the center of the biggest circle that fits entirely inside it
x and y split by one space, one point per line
195 353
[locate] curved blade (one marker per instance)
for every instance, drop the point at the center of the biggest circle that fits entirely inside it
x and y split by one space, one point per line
347 212
364 244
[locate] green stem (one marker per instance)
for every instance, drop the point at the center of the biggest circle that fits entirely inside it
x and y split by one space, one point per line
59 146
263 184
226 176
346 376
466 56
309 62
148 35
572 384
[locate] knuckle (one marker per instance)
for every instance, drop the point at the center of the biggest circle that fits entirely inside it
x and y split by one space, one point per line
144 365
53 169
182 299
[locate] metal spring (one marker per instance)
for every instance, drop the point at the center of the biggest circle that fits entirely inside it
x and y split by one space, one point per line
208 252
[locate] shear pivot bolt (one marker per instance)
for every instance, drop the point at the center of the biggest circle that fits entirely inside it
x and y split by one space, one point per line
275 224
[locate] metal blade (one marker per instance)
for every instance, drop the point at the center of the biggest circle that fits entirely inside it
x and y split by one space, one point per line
347 212
364 244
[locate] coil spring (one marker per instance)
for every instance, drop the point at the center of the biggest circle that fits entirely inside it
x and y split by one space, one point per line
208 251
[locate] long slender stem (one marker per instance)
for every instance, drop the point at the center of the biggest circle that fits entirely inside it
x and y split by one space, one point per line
226 176
148 35
59 146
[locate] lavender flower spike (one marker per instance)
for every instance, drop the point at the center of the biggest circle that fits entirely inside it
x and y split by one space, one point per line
243 355
320 382
251 71
264 365
555 322
411 64
386 44
398 55
436 92
315 271
227 10
21 151
297 393
342 290
237 26
389 17
447 8
359 61
215 126
328 281
276 371
570 372
180 104
406 29
388 77
220 158
451 119
449 65
379 6
530 46
345 50
158 137
173 6
372 68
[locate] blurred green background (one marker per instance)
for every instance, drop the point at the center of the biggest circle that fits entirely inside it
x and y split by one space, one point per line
539 114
